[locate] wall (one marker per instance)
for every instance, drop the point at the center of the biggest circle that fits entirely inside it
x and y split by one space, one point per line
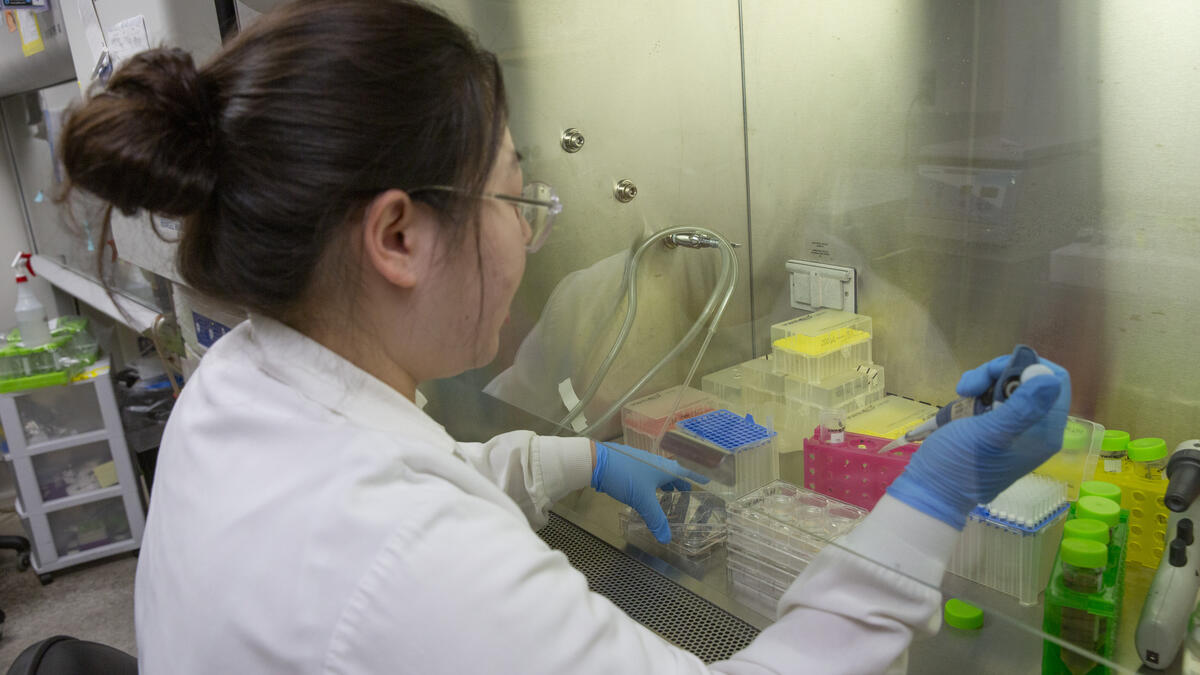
13 237
656 90
1150 233
1089 103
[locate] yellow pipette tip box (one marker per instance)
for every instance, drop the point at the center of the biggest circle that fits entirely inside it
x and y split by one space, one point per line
822 344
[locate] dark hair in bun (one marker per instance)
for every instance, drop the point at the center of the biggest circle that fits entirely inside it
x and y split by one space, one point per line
149 139
267 151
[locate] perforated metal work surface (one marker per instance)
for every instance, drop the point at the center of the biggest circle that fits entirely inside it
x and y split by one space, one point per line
677 614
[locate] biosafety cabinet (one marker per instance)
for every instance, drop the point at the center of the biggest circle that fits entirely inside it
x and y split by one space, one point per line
876 196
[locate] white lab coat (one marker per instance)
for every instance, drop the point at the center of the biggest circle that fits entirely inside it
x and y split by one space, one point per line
306 518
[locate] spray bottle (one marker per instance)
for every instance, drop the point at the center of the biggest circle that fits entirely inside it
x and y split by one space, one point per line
31 316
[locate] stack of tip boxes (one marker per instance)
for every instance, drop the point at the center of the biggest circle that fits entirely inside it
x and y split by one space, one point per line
774 532
747 387
852 469
818 361
645 420
737 454
1010 543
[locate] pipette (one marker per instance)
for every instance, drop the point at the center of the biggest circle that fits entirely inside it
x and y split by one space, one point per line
1021 366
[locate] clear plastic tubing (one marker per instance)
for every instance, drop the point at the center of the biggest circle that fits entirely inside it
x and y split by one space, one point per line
1148 456
711 314
1083 565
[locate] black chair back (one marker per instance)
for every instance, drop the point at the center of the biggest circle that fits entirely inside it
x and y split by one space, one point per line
62 655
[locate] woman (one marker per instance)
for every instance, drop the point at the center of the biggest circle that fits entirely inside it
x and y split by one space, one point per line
344 171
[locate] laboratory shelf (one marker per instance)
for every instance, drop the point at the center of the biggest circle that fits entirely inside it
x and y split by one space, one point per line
61 443
108 516
83 498
89 555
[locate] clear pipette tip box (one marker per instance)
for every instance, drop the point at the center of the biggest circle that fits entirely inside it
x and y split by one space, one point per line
774 532
851 391
747 385
731 450
648 418
891 418
1010 544
822 344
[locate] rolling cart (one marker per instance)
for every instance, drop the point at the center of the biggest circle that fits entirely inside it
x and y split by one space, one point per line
78 495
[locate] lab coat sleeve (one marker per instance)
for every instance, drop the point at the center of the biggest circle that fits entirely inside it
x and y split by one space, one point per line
472 590
535 471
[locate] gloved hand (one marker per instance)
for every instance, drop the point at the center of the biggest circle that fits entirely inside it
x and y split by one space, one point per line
970 461
633 476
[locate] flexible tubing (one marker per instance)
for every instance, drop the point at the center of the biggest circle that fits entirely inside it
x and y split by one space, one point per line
714 308
629 287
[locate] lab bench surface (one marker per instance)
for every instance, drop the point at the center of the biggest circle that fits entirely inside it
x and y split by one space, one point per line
667 600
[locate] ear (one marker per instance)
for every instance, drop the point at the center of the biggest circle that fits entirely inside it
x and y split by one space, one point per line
396 239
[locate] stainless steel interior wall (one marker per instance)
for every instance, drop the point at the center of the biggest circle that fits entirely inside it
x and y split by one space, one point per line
881 136
656 90
997 171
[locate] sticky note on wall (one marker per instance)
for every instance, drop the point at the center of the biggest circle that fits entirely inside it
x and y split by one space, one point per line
31 34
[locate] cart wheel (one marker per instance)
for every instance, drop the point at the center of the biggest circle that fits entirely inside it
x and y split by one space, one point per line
46 578
23 561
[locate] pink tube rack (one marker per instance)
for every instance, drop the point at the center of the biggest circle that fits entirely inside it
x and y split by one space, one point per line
853 471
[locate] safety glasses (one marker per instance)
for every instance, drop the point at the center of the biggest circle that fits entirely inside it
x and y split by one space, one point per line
538 205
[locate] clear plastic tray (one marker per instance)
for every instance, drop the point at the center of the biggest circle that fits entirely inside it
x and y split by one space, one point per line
890 418
764 570
751 594
790 553
789 515
775 564
697 518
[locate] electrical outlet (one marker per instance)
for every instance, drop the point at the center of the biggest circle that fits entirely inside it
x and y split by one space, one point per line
815 285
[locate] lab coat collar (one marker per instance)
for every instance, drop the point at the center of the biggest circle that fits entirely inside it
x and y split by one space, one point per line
328 379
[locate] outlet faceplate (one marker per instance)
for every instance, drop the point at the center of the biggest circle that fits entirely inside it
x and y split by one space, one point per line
815 285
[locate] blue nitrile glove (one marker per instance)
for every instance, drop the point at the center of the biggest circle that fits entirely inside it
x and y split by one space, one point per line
970 461
633 476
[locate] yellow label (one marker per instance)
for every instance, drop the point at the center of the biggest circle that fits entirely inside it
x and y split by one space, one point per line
89 374
31 34
818 345
106 474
